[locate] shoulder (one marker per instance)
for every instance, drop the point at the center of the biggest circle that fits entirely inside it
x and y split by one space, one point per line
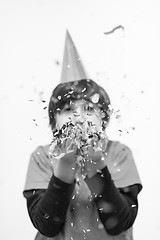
121 164
40 157
41 150
116 147
40 169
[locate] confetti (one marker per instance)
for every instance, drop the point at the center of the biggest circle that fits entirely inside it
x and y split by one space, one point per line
114 29
118 116
100 226
46 216
134 206
95 98
73 197
84 89
126 189
54 100
83 137
56 186
105 206
57 62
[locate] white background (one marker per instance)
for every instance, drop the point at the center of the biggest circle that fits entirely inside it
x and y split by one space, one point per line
125 63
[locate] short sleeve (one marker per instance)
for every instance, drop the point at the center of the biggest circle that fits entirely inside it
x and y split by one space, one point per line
40 170
121 165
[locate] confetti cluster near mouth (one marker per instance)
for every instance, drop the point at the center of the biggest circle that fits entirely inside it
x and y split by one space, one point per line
72 136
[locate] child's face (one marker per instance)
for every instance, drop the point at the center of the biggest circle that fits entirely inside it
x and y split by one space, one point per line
79 112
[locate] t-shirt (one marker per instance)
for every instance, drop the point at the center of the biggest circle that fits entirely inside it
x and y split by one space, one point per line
82 219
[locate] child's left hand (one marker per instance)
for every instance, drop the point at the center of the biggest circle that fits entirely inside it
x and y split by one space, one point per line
95 156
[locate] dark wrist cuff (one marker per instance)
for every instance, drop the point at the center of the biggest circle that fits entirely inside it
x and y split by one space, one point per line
58 185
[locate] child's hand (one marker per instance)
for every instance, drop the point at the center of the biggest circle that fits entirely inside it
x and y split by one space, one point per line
96 147
68 149
66 166
60 148
95 155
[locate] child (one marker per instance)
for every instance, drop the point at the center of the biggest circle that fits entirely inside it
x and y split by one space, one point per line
82 186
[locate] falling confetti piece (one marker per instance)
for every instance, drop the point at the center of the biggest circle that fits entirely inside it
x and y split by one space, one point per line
134 206
46 216
84 89
59 97
54 100
57 62
126 189
95 98
56 186
114 29
118 116
105 206
73 197
100 226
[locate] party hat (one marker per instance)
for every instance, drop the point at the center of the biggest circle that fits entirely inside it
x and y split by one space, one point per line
72 68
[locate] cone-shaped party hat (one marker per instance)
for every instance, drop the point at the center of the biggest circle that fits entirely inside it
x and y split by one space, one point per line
72 68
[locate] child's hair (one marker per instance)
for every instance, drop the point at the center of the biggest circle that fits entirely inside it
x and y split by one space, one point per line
85 89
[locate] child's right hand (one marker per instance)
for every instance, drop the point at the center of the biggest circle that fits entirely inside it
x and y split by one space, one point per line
66 166
61 147
69 150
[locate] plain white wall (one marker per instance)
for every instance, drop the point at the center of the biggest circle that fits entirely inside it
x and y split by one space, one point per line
125 63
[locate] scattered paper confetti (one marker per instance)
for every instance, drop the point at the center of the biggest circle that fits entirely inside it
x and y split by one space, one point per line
83 137
114 29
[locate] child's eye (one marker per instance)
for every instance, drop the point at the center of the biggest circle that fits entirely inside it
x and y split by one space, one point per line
68 109
89 108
